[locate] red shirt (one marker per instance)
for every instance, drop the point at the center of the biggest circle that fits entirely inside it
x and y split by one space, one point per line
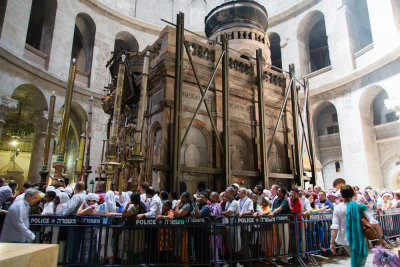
296 207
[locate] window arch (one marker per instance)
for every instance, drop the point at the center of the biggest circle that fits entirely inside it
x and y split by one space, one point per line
381 114
359 24
41 25
82 47
313 43
125 41
275 47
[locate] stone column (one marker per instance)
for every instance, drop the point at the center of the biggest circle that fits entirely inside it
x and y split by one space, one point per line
6 105
40 126
56 123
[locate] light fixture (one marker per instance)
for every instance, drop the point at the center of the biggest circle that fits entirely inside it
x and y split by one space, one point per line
14 143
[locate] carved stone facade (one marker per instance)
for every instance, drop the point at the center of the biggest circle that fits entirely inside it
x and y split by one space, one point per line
201 158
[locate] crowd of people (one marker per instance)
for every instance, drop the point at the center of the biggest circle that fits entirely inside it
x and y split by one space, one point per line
235 201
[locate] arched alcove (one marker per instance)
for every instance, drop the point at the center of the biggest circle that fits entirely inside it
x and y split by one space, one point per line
196 154
276 159
381 114
313 43
23 131
41 25
275 47
327 141
125 41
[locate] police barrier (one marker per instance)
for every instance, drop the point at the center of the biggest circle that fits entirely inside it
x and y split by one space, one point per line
190 241
77 237
313 233
389 221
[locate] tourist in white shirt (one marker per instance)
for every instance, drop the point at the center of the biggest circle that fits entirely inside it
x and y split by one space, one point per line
142 191
76 201
246 207
339 227
232 210
305 204
153 205
16 224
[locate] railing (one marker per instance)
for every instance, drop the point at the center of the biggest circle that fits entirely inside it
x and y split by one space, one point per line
192 241
319 58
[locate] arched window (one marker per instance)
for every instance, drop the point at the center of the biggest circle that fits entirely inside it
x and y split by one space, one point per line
327 122
82 47
318 46
381 113
313 43
41 25
275 46
359 24
125 41
337 166
3 6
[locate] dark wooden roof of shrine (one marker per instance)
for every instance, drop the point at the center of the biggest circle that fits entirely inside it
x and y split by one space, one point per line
238 13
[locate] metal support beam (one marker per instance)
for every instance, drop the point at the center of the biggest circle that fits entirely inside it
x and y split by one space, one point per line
310 134
298 170
176 150
203 94
261 120
288 89
225 106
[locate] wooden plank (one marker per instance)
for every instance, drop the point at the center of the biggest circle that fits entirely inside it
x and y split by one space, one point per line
280 175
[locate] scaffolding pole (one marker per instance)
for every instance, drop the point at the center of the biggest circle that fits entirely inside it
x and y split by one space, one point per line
310 134
261 120
225 106
176 150
298 168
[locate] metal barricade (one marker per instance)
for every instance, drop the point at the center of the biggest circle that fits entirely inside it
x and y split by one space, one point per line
178 242
192 241
251 238
389 221
78 237
313 233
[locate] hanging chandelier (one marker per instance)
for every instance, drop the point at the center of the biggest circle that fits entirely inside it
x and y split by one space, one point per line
18 128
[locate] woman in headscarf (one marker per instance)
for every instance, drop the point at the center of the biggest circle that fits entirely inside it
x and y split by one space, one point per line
182 209
89 241
134 238
61 202
346 227
109 206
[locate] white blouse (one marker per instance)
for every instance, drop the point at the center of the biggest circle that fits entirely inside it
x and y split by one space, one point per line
339 222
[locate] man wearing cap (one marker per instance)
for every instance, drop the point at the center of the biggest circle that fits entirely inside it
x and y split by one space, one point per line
16 224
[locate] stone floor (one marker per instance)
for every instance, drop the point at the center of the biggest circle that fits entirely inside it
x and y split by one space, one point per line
337 261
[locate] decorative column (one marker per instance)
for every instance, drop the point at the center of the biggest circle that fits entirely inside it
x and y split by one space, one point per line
6 105
59 165
79 163
88 168
45 171
137 156
111 154
40 126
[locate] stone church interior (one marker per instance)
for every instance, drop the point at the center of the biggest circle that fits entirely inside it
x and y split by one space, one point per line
201 93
